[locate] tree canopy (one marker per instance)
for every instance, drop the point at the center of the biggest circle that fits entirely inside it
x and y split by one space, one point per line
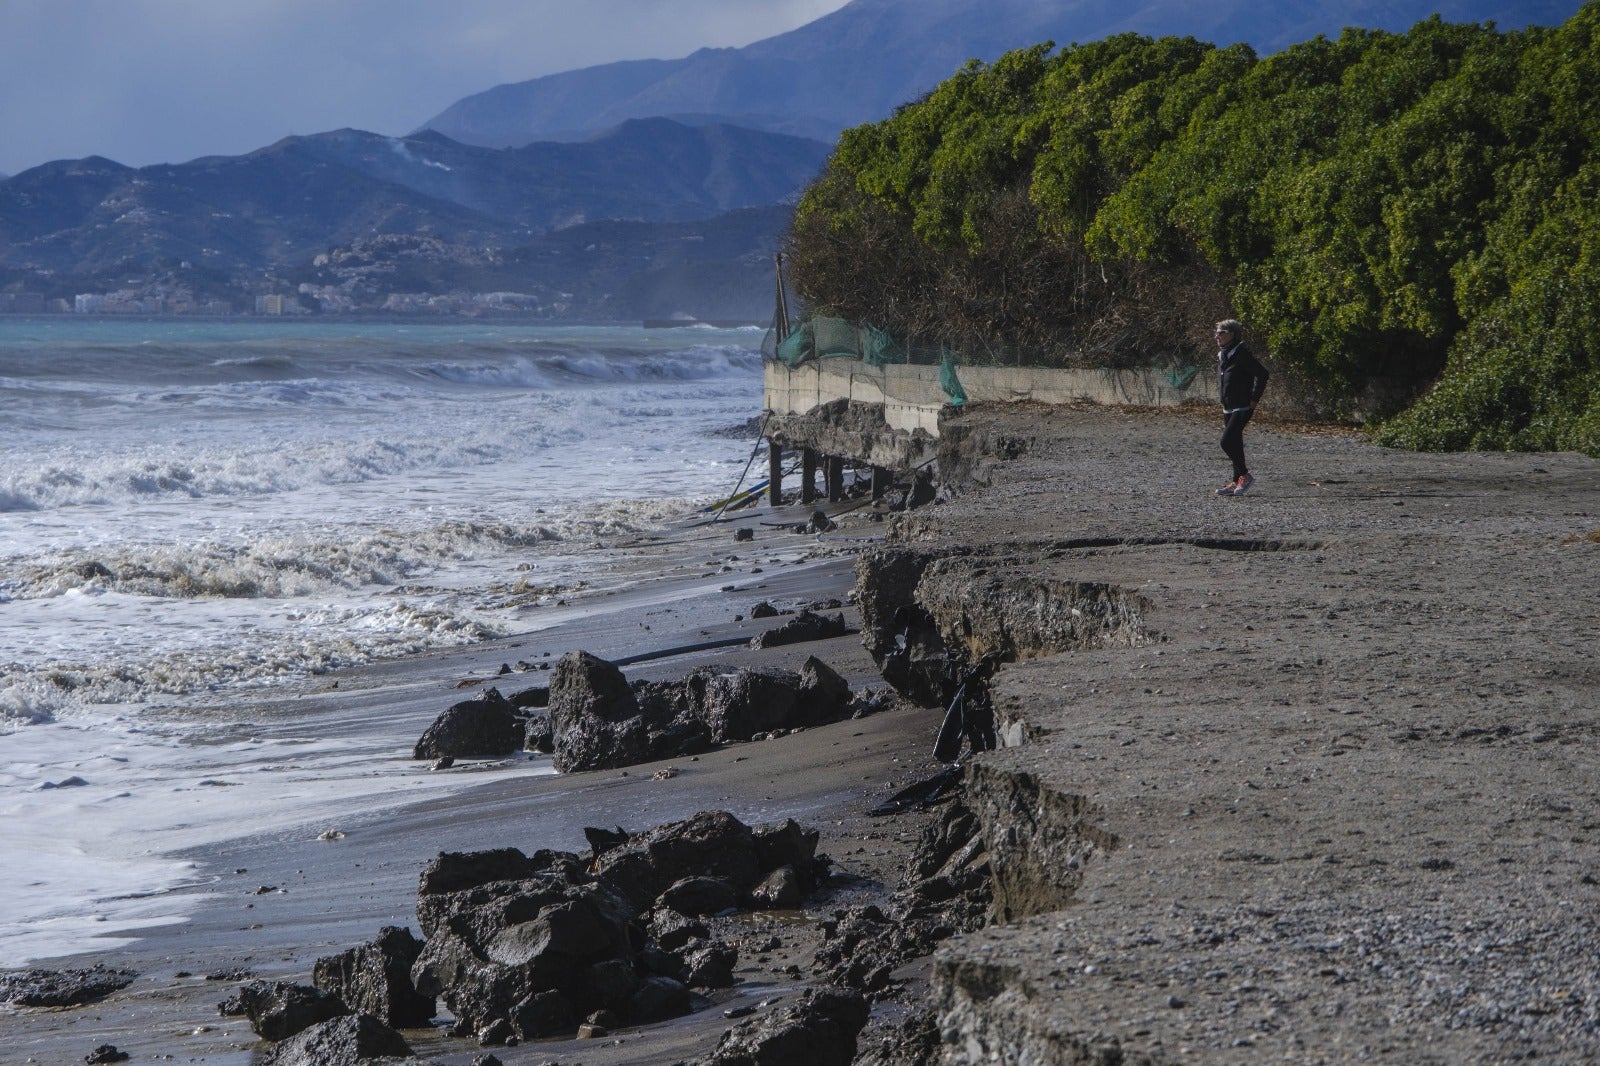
1408 222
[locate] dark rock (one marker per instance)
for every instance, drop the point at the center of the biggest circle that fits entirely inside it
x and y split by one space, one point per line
609 985
699 896
496 946
487 1060
801 628
824 695
537 696
900 634
744 533
779 890
537 734
863 949
351 1040
603 840
61 988
817 1030
672 930
375 979
764 610
542 1014
455 871
820 522
656 960
278 1010
786 843
106 1053
746 702
710 964
710 844
483 728
595 719
659 998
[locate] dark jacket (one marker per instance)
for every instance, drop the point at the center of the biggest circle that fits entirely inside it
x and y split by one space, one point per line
1241 379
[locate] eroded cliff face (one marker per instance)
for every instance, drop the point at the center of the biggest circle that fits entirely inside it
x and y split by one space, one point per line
1000 602
922 609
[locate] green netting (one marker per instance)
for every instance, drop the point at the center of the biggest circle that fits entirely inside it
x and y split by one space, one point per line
949 382
821 337
834 338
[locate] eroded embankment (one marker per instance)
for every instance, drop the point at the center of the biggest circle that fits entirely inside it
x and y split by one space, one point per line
923 611
927 614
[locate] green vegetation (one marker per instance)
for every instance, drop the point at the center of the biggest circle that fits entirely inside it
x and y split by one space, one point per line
1408 221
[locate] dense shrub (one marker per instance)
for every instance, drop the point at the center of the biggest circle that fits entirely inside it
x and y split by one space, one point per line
1387 210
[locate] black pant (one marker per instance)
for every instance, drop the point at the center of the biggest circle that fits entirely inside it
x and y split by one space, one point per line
1233 439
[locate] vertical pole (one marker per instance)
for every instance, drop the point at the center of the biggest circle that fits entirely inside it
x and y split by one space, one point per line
808 475
774 473
835 479
880 482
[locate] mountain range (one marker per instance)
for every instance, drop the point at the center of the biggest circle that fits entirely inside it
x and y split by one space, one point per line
288 202
640 161
860 62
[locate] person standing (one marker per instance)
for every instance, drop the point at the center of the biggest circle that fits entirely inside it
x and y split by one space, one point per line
1241 379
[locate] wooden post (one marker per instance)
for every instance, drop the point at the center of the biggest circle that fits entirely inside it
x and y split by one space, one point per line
835 479
808 475
774 473
881 480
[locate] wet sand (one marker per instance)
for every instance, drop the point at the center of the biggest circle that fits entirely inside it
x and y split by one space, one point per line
680 589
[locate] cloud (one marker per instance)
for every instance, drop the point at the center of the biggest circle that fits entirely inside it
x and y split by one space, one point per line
168 80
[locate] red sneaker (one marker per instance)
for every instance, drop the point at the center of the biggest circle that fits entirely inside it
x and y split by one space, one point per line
1229 488
1242 486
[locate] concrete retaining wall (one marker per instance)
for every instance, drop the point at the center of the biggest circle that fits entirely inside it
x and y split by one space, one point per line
911 396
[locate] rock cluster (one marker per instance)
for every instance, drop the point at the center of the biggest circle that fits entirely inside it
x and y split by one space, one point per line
598 720
519 947
61 988
946 890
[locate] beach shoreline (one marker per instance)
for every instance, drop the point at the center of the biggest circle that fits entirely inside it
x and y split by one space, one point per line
269 904
1328 795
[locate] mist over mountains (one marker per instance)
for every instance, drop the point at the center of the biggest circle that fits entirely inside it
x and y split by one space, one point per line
605 191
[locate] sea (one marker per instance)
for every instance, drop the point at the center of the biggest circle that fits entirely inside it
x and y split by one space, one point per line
195 513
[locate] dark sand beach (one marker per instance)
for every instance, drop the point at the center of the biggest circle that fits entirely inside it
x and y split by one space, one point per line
1331 800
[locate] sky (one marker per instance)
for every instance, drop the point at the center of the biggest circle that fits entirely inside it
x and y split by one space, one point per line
166 81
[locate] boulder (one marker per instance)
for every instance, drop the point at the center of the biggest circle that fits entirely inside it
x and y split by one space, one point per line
818 1030
537 734
787 843
709 844
542 1014
352 1040
278 1010
609 985
740 704
672 930
804 626
595 720
517 958
375 979
745 703
824 695
778 891
709 964
61 988
696 897
487 727
659 998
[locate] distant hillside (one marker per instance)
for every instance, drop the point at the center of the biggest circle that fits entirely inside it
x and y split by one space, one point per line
716 268
283 204
860 62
